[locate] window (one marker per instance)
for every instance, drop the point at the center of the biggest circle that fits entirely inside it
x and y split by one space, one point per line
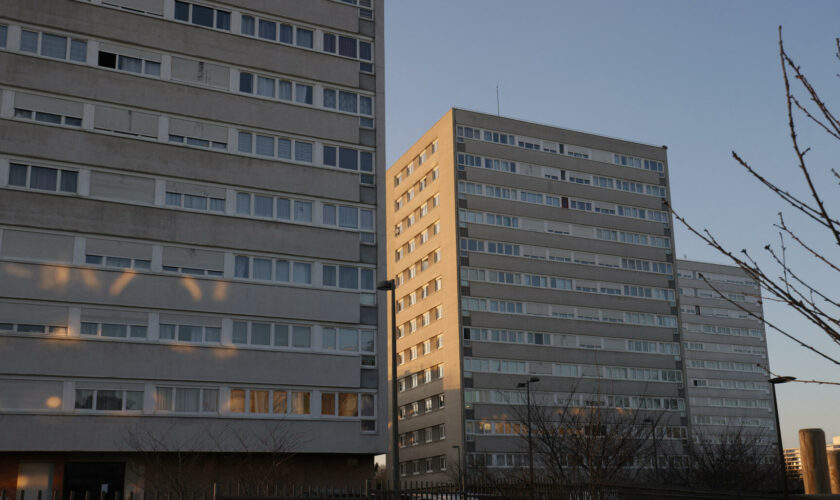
113 330
329 43
304 38
202 16
43 178
329 102
109 400
55 46
247 25
186 400
347 47
303 93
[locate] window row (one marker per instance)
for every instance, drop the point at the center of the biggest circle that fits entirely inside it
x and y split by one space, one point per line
424 465
731 402
282 402
517 367
601 207
178 69
274 30
426 376
418 267
562 228
707 293
420 321
717 278
423 436
135 189
419 213
192 133
419 294
289 271
206 400
566 312
719 312
736 384
733 422
731 366
726 348
559 255
570 341
343 339
464 132
566 400
419 160
427 405
422 349
300 210
723 330
559 283
207 331
514 428
419 240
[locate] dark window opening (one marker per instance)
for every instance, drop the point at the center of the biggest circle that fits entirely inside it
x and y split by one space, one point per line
107 60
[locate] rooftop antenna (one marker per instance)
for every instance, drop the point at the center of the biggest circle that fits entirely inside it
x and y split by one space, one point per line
498 107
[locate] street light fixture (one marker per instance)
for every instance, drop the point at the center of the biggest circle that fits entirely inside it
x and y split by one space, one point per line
390 285
773 382
527 386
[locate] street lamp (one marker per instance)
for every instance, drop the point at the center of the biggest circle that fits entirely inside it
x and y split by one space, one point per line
395 443
773 382
527 386
655 454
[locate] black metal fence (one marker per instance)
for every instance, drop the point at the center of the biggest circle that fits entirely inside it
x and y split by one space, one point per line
408 491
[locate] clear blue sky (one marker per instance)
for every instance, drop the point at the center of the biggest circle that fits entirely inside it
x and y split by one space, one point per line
701 77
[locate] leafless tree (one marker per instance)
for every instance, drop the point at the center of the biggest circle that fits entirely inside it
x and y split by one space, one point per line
737 459
783 281
183 459
584 442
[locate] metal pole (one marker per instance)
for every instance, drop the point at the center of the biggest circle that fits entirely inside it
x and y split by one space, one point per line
530 444
391 285
779 437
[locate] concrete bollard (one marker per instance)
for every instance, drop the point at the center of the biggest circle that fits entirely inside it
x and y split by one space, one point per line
814 461
834 470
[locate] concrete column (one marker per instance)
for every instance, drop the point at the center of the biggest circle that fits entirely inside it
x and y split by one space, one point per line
834 470
814 461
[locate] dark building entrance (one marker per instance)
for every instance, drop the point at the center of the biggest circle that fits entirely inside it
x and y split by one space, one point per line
99 480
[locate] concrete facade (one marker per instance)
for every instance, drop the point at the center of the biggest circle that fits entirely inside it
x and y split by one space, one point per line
525 250
726 352
190 237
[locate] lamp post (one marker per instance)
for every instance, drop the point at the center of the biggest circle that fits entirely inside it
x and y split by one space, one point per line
527 386
461 485
655 453
395 443
773 382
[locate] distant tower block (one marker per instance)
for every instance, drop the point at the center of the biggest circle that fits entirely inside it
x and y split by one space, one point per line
814 461
834 470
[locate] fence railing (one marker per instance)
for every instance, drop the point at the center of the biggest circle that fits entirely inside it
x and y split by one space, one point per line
408 491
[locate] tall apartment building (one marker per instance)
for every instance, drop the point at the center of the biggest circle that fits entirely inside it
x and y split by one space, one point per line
190 241
526 250
725 351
